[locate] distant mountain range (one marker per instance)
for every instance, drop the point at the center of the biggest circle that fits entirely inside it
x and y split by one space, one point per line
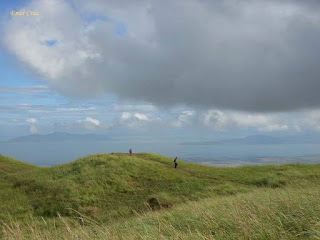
60 136
263 139
248 140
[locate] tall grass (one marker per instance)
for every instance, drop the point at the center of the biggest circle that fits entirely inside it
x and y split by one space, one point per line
261 214
116 196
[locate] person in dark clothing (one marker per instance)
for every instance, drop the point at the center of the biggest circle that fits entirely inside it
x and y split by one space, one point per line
130 151
175 162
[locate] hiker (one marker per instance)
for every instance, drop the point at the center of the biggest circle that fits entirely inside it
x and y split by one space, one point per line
130 151
175 162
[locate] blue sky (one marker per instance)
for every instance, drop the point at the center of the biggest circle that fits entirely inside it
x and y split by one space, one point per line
111 68
12 5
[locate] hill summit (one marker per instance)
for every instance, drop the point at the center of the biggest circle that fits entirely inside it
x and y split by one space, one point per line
117 187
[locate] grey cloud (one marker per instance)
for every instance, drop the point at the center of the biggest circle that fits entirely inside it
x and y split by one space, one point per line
134 107
243 55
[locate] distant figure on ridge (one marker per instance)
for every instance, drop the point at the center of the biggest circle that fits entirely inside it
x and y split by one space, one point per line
175 162
130 151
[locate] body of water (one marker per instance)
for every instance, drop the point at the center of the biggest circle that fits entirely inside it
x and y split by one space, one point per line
53 153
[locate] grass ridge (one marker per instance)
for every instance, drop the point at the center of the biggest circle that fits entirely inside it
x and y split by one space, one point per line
116 192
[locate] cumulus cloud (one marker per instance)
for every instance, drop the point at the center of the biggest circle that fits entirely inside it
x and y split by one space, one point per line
141 117
89 123
243 55
31 120
138 116
33 129
135 120
184 118
309 119
75 109
229 120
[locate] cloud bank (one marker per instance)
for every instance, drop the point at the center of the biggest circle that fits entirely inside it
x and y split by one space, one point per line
243 55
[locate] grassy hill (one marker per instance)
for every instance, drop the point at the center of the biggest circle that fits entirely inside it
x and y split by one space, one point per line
116 196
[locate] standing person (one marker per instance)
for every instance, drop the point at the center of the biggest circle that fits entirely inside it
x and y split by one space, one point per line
130 151
175 162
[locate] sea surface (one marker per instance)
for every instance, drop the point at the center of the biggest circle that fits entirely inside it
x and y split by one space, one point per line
54 153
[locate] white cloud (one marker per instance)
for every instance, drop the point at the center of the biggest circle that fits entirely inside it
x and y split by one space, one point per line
135 120
125 116
59 22
309 119
75 109
33 129
31 120
93 121
185 118
131 107
229 120
141 116
89 123
276 128
134 116
185 115
253 55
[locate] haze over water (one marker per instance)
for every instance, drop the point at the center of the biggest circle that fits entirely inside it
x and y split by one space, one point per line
53 153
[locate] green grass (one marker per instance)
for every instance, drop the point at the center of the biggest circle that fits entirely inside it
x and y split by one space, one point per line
116 196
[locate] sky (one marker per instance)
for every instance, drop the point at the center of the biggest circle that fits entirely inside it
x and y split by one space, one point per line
193 67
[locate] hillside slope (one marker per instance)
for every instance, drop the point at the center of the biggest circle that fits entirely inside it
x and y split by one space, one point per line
273 214
14 201
112 185
108 187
